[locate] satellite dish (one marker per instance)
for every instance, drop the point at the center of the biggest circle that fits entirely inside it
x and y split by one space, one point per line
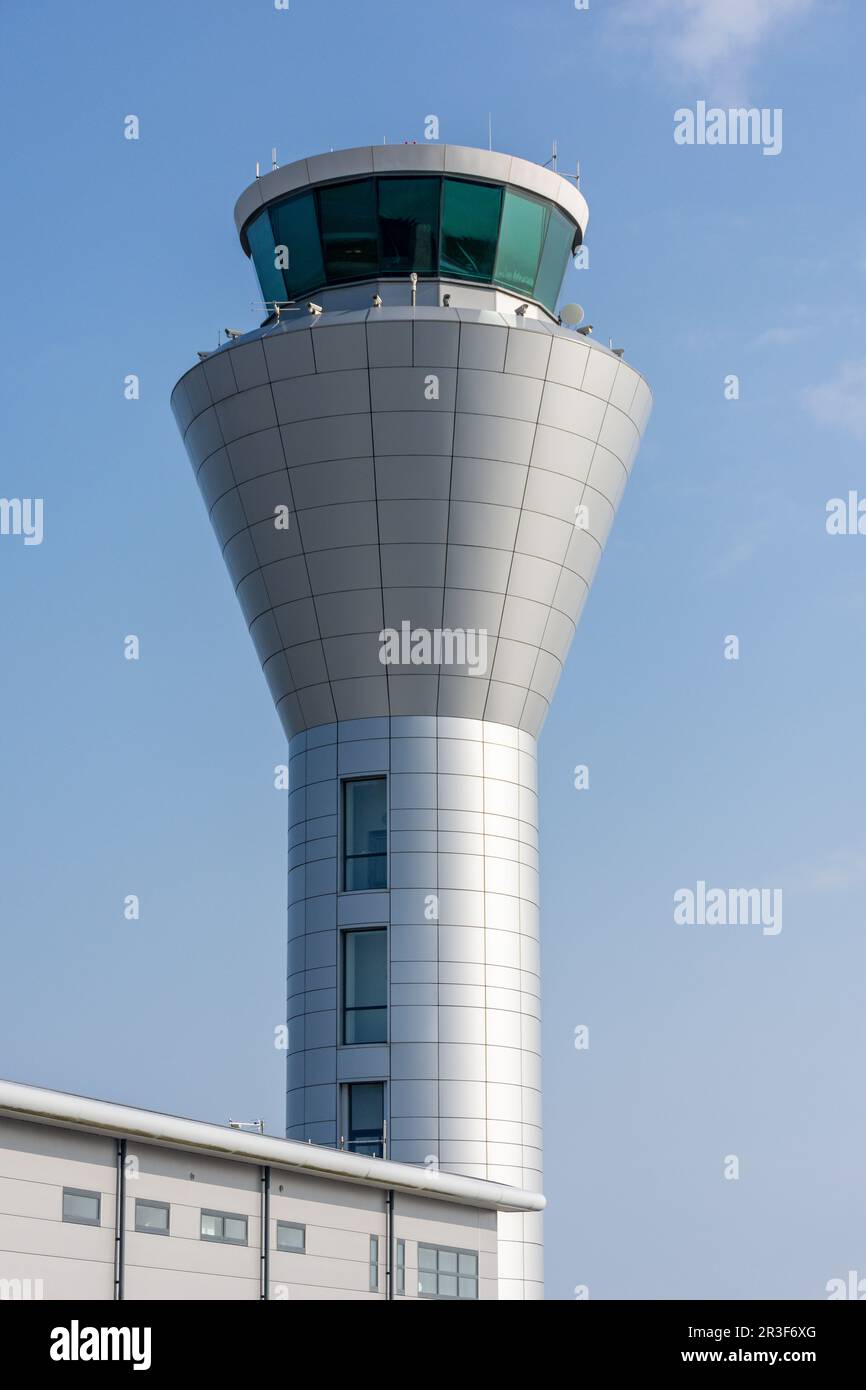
572 314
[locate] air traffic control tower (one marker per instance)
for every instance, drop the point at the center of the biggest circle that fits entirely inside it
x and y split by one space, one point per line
412 468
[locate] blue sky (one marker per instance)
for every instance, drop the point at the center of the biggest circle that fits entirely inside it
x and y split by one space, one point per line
155 777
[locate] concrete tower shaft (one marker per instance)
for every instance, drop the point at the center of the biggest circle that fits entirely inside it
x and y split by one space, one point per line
445 470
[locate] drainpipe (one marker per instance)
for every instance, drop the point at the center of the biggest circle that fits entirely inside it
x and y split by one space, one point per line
119 1219
390 1246
266 1233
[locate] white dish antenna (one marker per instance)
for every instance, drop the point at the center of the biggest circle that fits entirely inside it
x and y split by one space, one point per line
572 314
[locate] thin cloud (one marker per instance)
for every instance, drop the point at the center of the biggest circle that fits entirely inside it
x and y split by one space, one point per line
717 39
837 869
842 401
779 337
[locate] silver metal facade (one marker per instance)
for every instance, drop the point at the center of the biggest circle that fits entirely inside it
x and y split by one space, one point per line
454 468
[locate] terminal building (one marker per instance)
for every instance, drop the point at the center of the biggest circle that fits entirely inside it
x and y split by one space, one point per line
411 469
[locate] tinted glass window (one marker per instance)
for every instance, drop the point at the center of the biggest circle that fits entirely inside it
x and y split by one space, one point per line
291 1238
152 1216
521 238
81 1207
470 224
408 225
347 217
365 835
365 983
261 241
444 1273
294 224
554 259
366 1118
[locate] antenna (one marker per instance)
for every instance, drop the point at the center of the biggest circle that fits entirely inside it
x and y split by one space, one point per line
553 158
275 306
571 314
577 174
258 170
490 130
274 164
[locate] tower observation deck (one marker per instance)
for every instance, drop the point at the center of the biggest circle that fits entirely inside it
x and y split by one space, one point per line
412 468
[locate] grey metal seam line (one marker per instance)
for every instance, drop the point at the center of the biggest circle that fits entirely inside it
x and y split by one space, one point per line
274 606
523 499
376 504
586 484
447 533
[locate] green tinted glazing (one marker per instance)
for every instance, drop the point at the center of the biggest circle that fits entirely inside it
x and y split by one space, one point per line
470 224
347 218
554 259
393 225
261 240
524 222
294 224
408 225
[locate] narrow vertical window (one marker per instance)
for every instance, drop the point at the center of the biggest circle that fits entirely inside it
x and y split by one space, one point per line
401 1267
365 1104
365 834
374 1264
365 986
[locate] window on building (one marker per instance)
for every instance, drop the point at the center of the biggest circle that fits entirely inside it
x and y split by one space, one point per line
365 986
374 1263
365 1118
224 1226
365 834
291 1237
554 258
470 226
152 1217
396 224
447 1273
295 228
80 1206
347 220
263 250
524 223
401 1267
408 225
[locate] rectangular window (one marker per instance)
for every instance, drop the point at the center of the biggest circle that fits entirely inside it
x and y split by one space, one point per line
347 221
524 223
291 1237
152 1217
365 1104
224 1226
262 241
374 1263
365 986
80 1206
294 224
554 259
470 226
365 834
401 1267
408 223
447 1273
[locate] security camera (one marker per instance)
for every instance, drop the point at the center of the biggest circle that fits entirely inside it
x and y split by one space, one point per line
314 308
